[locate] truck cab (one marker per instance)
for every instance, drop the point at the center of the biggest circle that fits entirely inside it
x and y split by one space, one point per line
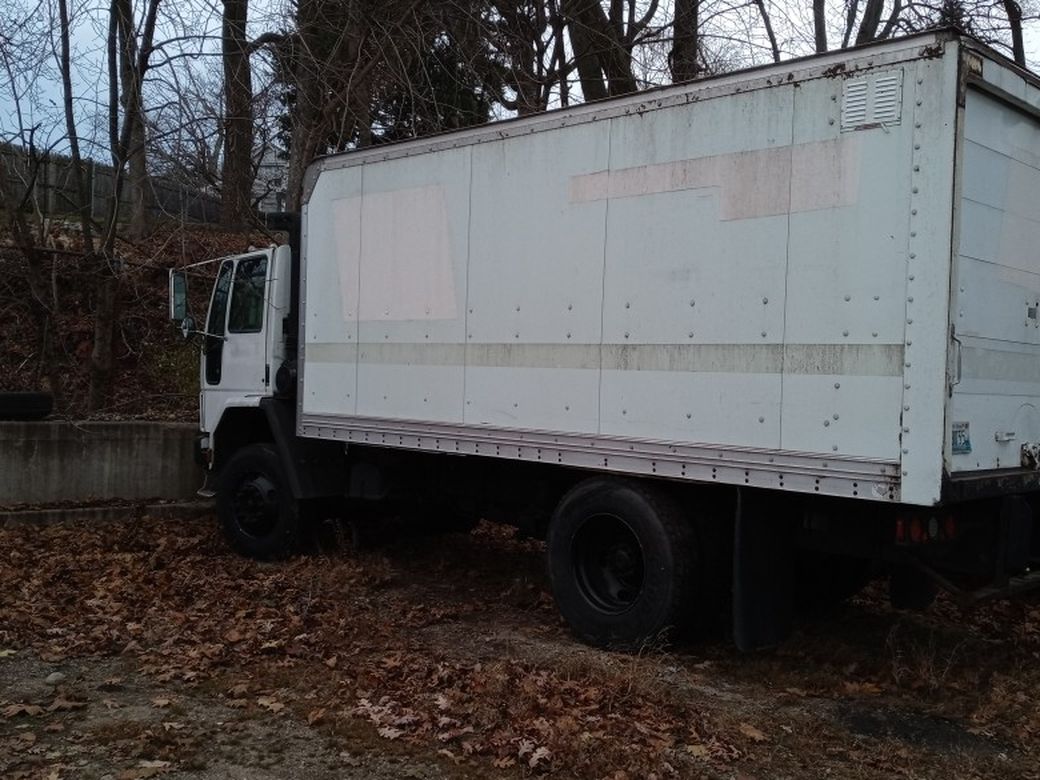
243 337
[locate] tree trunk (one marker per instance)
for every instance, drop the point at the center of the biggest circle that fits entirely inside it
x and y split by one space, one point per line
868 27
1014 15
142 200
101 357
307 116
819 25
586 52
237 174
616 53
764 13
127 65
683 58
82 188
893 19
850 22
133 152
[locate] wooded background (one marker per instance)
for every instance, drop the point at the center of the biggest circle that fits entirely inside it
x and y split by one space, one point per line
124 122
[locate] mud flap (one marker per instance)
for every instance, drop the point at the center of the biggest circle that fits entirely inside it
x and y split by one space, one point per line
763 573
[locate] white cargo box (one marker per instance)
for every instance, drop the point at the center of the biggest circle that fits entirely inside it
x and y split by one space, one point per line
820 276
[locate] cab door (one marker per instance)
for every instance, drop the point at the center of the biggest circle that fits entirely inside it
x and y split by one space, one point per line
235 366
244 362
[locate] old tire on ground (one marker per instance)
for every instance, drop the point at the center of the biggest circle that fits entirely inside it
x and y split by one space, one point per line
622 561
25 406
258 514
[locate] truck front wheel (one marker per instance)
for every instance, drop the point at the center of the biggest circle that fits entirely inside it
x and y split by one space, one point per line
257 511
622 561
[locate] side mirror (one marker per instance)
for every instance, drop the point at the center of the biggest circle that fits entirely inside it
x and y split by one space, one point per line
178 296
187 328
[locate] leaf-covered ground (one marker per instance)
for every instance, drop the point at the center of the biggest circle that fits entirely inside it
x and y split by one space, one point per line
443 656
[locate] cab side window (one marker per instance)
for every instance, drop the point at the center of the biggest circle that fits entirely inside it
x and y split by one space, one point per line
215 325
247 297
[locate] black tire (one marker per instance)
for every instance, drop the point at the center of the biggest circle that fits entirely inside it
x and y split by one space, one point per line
257 511
25 406
622 560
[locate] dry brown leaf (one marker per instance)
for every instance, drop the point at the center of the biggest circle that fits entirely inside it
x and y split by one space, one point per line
14 710
752 733
697 751
269 703
540 757
504 763
61 703
389 732
160 702
315 715
449 755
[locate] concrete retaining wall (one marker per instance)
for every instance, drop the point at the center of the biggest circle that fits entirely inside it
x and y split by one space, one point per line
43 462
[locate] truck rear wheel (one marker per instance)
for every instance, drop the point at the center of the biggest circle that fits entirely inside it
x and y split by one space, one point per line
622 564
258 514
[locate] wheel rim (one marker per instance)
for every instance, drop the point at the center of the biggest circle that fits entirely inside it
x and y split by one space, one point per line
254 505
608 563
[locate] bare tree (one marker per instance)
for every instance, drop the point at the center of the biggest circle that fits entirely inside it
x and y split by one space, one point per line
237 174
528 36
128 56
24 57
1014 15
819 26
767 22
603 40
133 57
682 59
82 188
868 26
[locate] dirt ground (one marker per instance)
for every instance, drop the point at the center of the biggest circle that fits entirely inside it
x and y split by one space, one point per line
147 649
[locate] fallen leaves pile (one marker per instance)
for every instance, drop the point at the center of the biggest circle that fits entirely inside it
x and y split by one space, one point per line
452 646
354 645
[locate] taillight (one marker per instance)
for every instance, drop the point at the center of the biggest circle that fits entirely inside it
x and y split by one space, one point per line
918 529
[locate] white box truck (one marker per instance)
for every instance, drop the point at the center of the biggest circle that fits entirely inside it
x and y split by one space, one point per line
722 343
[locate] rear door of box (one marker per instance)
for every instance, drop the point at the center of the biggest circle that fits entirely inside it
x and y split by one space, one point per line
994 407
